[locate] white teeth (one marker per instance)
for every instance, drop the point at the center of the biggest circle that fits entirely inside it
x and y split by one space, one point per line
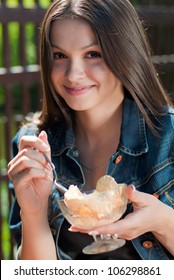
76 88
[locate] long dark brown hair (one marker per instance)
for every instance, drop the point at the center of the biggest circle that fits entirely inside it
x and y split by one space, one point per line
125 49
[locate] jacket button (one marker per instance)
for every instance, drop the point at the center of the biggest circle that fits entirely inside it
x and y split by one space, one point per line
118 159
76 153
147 244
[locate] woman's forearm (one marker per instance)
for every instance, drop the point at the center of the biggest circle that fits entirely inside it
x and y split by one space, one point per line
165 231
37 240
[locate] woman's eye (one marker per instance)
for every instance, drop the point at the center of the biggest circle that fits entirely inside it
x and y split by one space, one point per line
58 55
94 55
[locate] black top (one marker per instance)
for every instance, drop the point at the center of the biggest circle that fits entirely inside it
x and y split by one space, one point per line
72 244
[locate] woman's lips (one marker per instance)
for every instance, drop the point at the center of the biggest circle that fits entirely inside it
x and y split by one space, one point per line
77 90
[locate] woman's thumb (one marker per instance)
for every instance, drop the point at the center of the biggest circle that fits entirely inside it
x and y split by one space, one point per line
43 136
134 196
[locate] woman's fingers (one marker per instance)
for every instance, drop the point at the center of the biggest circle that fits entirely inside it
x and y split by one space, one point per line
75 229
34 142
30 174
27 158
43 136
32 147
30 164
26 163
137 222
139 199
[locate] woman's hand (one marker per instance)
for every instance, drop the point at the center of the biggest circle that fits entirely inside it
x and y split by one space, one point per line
31 174
147 215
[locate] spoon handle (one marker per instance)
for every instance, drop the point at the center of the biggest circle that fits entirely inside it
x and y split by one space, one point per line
56 183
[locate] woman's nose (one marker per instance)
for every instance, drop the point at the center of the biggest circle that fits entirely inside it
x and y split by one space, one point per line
75 71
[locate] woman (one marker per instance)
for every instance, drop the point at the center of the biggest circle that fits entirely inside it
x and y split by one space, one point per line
104 112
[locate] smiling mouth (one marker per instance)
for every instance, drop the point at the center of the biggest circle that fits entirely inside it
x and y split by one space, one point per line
77 90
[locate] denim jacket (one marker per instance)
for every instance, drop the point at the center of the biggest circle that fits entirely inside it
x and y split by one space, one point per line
141 159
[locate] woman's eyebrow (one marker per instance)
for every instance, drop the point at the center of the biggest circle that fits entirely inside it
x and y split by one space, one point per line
93 44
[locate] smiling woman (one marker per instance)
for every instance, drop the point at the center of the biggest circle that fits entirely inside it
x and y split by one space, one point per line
80 74
104 112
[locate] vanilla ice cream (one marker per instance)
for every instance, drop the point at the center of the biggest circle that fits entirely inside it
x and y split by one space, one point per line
102 206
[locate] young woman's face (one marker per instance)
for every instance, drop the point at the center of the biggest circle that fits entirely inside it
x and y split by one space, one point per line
79 74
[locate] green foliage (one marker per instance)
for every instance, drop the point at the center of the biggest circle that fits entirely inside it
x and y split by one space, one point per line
5 229
4 201
27 3
30 43
13 30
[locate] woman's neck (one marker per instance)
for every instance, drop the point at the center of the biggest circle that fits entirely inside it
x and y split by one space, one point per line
96 128
97 138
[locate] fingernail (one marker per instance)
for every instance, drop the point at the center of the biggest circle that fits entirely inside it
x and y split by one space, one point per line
115 236
43 133
156 195
72 229
93 232
132 187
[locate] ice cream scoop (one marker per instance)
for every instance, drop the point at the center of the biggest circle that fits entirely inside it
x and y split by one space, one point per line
102 206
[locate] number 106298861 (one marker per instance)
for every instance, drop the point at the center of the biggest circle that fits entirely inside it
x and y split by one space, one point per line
140 270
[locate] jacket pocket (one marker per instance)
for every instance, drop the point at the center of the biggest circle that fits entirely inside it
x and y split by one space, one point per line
166 194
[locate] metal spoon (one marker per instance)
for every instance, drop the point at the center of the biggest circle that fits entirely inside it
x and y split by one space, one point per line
56 184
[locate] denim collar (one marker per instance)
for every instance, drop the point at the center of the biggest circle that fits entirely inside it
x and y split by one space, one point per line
60 138
133 139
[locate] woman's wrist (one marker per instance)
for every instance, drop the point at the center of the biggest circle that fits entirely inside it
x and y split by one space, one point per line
36 220
36 234
164 229
164 220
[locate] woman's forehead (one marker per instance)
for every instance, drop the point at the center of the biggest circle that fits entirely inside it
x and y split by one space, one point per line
74 31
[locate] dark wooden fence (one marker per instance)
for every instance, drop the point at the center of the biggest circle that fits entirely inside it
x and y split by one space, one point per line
20 91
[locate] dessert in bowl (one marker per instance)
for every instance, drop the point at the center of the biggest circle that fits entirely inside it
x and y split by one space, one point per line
101 206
